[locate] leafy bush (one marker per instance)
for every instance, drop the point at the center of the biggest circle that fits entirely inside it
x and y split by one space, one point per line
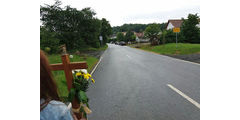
170 37
189 29
48 41
74 28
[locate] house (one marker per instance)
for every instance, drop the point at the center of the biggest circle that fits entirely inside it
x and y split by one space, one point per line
177 24
113 36
124 33
140 37
198 25
174 24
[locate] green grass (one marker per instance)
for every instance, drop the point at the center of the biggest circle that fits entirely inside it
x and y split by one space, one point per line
94 49
59 76
170 49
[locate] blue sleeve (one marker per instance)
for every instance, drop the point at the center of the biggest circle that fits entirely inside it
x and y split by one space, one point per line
67 116
56 110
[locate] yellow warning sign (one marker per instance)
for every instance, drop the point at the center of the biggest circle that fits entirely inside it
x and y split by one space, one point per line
176 30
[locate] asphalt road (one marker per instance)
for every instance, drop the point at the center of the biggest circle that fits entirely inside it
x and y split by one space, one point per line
131 84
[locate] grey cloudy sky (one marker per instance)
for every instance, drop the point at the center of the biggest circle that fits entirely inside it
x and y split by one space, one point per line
118 12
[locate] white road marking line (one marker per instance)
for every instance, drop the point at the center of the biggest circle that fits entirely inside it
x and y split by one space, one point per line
128 56
185 96
96 66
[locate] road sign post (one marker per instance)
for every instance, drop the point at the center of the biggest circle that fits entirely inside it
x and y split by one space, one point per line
176 39
176 30
100 38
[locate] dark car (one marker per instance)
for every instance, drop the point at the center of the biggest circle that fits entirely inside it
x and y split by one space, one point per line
117 43
122 43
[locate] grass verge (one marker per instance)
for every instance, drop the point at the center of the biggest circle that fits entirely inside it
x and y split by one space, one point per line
59 76
171 49
93 49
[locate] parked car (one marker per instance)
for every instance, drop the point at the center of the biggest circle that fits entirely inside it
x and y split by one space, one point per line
122 43
117 43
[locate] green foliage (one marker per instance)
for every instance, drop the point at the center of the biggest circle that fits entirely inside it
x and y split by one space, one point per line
75 28
71 95
120 37
135 27
48 41
106 30
84 97
153 33
133 38
168 36
129 36
189 29
80 85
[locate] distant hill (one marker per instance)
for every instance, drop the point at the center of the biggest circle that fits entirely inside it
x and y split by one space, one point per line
135 27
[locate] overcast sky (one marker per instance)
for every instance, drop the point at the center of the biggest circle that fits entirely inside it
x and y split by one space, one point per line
118 12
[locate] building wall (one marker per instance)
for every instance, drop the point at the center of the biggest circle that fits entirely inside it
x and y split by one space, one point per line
170 26
198 25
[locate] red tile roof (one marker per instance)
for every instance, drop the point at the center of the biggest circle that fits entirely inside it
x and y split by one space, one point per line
175 23
139 35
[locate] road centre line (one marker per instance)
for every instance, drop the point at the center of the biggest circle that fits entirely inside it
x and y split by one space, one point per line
185 96
128 56
96 65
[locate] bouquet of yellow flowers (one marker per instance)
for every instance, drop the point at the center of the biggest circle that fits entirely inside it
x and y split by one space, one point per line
81 80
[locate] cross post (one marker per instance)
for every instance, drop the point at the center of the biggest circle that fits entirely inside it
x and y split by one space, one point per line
68 66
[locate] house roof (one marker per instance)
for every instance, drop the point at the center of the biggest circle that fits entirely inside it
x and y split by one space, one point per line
176 23
141 34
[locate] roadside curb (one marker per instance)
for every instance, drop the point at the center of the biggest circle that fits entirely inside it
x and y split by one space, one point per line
92 71
97 63
167 56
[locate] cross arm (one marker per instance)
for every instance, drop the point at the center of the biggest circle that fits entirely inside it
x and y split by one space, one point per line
58 66
73 65
78 65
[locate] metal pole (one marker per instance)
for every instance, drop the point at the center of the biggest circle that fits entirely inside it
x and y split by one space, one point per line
176 39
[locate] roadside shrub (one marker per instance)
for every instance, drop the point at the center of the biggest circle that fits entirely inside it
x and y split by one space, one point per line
170 37
48 39
190 30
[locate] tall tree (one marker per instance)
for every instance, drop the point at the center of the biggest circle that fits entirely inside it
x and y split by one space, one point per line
75 28
120 36
153 33
106 30
189 29
129 36
48 39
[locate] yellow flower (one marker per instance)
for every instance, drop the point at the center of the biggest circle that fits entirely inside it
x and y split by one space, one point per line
93 80
87 110
86 77
78 74
89 75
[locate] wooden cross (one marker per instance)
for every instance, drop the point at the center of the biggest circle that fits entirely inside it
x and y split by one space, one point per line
68 67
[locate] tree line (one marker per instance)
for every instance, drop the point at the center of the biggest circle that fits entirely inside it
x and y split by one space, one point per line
77 29
157 33
135 27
